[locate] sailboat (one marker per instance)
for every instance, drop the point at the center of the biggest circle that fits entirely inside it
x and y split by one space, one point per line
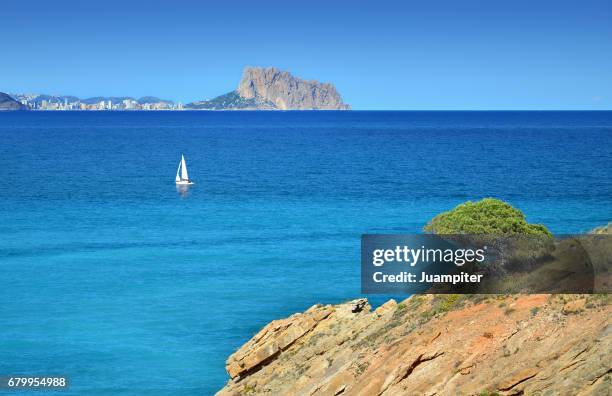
182 178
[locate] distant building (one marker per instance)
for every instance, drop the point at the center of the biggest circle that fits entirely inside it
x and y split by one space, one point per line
129 104
36 102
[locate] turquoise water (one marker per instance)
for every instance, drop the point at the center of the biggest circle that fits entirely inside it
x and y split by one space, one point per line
112 277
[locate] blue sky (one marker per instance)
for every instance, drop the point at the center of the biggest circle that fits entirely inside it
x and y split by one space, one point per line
426 54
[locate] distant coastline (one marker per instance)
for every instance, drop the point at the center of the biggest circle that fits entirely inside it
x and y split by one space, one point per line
67 103
259 89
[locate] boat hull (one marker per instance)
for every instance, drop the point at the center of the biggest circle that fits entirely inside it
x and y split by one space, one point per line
184 183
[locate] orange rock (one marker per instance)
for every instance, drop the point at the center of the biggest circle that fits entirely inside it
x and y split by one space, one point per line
517 378
403 349
574 307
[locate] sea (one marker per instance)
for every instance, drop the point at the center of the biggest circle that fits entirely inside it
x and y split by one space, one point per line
113 277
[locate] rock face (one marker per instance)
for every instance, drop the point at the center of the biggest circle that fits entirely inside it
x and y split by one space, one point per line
287 92
273 89
433 345
8 103
603 230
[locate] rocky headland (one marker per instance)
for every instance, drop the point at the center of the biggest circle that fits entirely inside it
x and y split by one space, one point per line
442 344
259 89
433 345
272 89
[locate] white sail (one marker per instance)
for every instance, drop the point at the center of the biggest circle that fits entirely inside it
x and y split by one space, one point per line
184 175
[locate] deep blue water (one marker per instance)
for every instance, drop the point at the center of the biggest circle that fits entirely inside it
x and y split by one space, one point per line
109 275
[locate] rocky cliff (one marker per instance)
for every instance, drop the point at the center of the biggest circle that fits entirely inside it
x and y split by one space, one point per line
433 345
8 103
288 92
273 89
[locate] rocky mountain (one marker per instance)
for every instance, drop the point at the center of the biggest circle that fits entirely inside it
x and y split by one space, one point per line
273 89
433 345
38 99
8 103
288 92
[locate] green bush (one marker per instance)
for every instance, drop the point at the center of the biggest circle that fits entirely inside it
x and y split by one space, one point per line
488 216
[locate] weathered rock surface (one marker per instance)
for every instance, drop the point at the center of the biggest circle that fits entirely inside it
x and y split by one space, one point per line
603 230
433 345
8 103
273 89
288 92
